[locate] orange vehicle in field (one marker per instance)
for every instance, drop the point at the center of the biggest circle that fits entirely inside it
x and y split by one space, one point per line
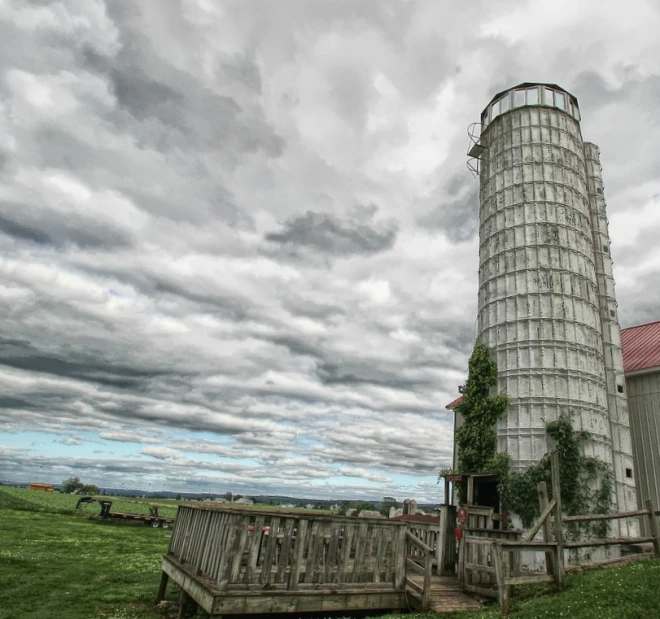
42 487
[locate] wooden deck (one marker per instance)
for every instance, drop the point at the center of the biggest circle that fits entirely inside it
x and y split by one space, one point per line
256 599
244 562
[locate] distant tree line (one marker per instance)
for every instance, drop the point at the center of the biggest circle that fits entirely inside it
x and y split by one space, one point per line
73 483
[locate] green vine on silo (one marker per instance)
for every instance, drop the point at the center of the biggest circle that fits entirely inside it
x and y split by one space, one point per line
585 482
476 440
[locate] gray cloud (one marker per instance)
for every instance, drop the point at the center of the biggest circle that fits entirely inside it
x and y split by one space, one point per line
327 234
186 277
457 215
25 222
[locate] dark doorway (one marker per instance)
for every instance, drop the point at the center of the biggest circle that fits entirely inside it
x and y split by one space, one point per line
487 494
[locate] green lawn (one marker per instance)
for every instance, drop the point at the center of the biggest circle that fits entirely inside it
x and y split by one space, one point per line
59 564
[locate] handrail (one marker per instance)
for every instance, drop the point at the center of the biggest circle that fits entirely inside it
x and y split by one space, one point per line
415 540
588 517
428 566
539 523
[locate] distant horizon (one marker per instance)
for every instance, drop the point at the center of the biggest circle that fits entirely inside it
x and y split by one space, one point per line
249 495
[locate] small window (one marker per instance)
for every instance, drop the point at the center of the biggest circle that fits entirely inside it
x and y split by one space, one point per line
612 313
606 249
548 98
495 110
505 104
629 473
532 96
576 111
560 100
619 388
519 98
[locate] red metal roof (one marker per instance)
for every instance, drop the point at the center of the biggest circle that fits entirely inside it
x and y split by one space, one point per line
453 403
641 347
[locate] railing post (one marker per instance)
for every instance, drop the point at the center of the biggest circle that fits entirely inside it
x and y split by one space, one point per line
653 527
559 533
297 556
441 548
547 530
400 566
502 588
426 595
461 560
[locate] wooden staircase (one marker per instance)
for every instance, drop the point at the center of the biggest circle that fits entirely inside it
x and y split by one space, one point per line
446 595
425 590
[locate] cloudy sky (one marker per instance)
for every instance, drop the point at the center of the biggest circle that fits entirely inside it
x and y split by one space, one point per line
238 240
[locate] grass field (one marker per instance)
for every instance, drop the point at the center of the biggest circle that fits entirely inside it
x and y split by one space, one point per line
60 566
56 563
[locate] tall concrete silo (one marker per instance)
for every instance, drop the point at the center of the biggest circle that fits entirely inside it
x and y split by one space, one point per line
547 308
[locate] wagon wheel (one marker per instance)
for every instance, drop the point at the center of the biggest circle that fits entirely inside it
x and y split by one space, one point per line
166 525
155 524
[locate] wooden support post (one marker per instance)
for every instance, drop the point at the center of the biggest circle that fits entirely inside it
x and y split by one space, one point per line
186 604
559 533
653 527
160 596
446 491
547 529
470 490
500 575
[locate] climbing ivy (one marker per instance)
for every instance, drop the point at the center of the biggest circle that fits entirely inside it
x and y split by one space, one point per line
585 481
476 440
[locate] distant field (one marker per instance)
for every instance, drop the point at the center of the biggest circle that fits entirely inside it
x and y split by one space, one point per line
56 502
262 507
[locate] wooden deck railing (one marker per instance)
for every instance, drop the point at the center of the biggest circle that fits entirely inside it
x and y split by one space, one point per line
476 564
244 550
553 543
